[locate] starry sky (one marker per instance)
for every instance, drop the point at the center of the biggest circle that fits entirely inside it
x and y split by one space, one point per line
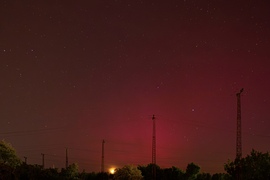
75 73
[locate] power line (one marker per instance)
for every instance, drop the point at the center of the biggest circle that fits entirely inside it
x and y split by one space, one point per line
31 132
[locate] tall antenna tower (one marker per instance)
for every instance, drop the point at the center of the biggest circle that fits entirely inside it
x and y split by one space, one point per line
239 133
102 157
66 158
25 160
154 148
43 161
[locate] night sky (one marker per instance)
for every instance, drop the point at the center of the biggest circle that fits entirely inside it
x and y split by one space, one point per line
76 72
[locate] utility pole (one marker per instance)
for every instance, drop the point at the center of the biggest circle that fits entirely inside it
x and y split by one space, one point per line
43 162
102 157
154 149
239 133
25 160
66 158
238 136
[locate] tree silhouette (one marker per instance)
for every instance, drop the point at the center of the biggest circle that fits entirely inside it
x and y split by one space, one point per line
192 171
147 171
173 173
71 172
8 155
128 172
254 166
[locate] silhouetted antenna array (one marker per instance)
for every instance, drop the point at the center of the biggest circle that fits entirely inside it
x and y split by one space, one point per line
239 133
66 158
25 160
154 148
43 161
102 157
238 136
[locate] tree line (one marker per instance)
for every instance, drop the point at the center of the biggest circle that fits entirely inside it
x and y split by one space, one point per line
255 166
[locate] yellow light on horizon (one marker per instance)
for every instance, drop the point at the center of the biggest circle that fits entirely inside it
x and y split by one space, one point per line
112 170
